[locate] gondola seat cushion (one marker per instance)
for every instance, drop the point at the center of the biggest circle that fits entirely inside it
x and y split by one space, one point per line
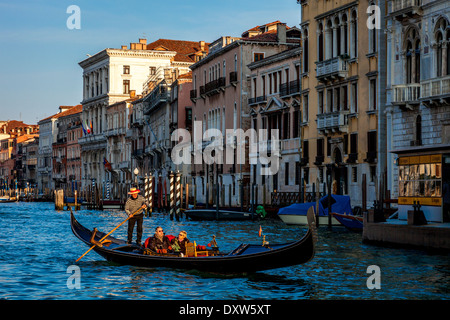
147 241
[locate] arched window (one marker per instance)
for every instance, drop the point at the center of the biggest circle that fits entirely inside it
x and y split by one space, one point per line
439 54
412 55
344 33
320 49
409 62
417 66
305 51
442 36
329 40
354 35
337 41
448 51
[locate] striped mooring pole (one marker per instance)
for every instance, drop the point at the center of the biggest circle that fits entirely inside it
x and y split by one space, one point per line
178 195
107 189
146 192
150 194
172 195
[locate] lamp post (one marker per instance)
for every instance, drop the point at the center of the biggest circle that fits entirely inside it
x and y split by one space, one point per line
136 172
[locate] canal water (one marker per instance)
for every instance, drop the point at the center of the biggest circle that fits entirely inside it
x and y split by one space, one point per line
37 250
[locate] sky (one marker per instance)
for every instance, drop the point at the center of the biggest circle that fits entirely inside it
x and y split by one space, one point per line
39 54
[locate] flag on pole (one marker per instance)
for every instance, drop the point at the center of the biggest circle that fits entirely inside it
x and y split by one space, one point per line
107 164
82 127
87 127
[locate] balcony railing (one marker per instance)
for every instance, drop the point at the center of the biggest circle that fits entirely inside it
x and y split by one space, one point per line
115 132
257 100
371 157
193 94
289 88
406 94
319 160
290 144
352 157
233 77
333 122
125 165
94 138
405 8
332 68
160 94
213 87
435 88
138 153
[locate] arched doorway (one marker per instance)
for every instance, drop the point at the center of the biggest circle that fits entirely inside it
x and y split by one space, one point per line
340 172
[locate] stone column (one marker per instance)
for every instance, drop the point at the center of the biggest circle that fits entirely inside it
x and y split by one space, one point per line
335 31
328 44
444 57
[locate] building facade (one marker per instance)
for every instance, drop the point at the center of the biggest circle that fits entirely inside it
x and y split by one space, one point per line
275 105
13 135
117 163
114 75
418 100
220 101
343 98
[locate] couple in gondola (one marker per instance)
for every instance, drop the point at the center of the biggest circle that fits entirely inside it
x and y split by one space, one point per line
159 242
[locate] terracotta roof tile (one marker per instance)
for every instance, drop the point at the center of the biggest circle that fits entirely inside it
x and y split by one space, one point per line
185 49
75 109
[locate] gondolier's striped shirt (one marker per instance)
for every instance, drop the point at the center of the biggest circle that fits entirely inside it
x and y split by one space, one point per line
133 204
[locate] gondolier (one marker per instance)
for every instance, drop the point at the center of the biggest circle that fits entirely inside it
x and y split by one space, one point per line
134 202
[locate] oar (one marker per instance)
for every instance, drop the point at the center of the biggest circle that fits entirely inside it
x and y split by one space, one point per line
130 216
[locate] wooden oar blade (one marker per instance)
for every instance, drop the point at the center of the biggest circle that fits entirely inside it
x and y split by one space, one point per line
106 236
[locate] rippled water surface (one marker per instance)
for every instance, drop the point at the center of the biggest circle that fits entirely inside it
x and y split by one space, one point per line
37 247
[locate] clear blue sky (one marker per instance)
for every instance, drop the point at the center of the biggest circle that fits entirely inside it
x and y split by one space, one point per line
39 55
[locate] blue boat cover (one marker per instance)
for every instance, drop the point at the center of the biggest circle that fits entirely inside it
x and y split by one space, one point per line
340 204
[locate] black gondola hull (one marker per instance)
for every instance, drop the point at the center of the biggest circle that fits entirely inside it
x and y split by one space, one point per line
253 258
211 214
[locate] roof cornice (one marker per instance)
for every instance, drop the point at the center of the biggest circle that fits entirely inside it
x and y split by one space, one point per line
104 54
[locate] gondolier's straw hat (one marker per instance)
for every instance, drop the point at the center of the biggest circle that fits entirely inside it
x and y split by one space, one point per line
134 191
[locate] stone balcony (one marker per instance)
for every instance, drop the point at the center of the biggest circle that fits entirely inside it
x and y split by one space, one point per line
115 132
92 142
405 9
290 145
435 91
331 69
332 122
406 95
125 166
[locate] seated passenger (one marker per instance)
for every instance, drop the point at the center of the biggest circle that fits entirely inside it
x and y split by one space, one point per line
159 242
179 243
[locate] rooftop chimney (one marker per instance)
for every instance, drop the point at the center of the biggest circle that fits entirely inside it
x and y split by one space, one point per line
143 41
64 108
281 33
124 47
202 45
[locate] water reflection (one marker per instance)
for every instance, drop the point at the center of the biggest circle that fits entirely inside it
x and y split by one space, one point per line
37 246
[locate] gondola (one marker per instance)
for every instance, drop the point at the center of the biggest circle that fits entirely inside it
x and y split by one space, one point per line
212 214
245 258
